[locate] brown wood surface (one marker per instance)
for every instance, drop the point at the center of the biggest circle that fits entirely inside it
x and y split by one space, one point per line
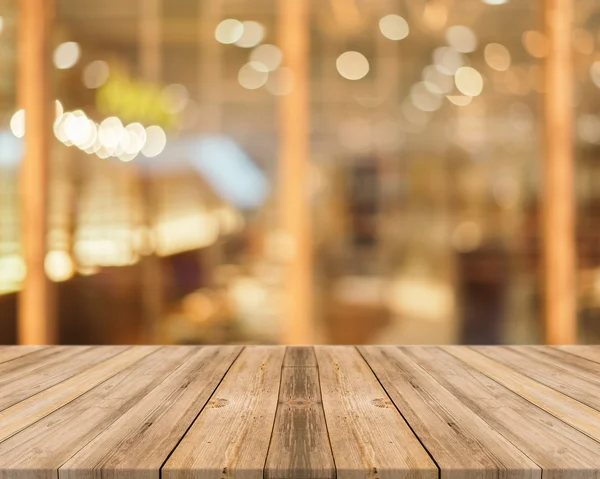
224 412
300 444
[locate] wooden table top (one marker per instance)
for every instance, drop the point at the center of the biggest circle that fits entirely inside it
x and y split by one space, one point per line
220 412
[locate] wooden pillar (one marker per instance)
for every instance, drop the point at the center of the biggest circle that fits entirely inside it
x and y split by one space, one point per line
152 286
150 32
294 154
558 196
36 322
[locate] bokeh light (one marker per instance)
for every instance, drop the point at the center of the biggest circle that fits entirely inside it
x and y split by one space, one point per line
468 81
269 55
394 27
497 56
461 38
66 55
352 65
252 34
156 140
253 75
229 31
96 74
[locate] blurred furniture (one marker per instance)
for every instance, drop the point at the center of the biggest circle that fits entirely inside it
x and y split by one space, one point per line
299 412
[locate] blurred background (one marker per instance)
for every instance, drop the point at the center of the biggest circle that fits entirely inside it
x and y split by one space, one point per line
299 171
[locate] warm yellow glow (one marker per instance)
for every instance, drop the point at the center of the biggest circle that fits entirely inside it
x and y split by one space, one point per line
535 43
394 27
12 268
17 124
156 140
269 55
96 74
59 265
186 232
435 14
253 33
461 38
66 55
419 297
468 81
352 65
497 56
229 31
253 75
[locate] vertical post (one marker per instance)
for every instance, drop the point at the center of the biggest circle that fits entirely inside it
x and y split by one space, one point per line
294 153
36 324
558 199
150 39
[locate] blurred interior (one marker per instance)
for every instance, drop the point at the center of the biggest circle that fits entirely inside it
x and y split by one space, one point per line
278 171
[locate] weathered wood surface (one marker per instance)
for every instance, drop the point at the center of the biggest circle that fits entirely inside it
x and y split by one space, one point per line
186 412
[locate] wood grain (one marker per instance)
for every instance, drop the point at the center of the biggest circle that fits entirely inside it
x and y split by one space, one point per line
228 412
300 446
231 436
52 370
8 353
39 450
35 407
559 449
462 444
144 436
578 415
541 365
591 353
369 438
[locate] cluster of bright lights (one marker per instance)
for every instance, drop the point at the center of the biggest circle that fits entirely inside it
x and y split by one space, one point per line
263 68
110 138
243 34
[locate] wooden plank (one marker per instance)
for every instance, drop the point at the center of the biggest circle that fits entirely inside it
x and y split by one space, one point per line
231 436
8 353
462 444
143 437
369 438
39 450
27 363
300 446
34 408
559 449
591 353
66 363
563 407
563 375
